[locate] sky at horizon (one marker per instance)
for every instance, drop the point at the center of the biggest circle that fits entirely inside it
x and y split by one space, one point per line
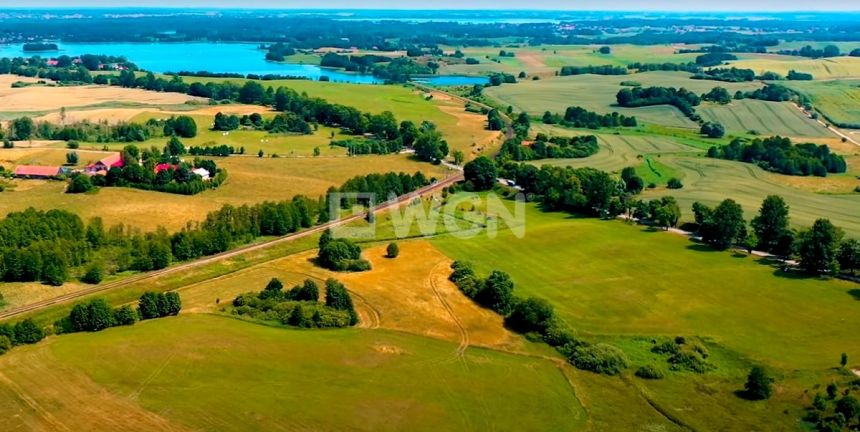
618 5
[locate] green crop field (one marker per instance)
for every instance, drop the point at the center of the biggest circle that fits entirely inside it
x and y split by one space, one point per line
608 277
830 68
203 372
768 118
838 100
628 284
597 93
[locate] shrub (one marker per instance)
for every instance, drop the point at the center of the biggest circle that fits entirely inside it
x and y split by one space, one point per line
687 361
530 315
674 183
600 358
307 291
667 347
93 275
759 384
80 183
27 332
125 315
72 145
5 344
393 251
649 372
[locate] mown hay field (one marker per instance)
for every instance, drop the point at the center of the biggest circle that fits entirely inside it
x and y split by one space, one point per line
826 68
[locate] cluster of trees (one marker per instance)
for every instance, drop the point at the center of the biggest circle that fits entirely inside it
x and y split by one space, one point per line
671 67
779 155
277 52
139 171
733 75
714 59
663 212
220 150
24 332
299 306
774 93
97 314
834 411
23 128
40 46
794 75
719 95
545 147
594 70
387 137
340 254
713 130
809 51
535 316
499 78
401 70
359 146
682 99
582 118
379 187
41 246
354 63
821 249
228 122
585 190
182 126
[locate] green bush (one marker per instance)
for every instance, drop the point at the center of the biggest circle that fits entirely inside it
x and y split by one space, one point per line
599 358
5 344
93 275
687 361
674 184
649 372
393 251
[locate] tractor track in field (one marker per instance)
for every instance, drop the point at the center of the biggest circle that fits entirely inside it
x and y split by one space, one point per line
464 334
399 201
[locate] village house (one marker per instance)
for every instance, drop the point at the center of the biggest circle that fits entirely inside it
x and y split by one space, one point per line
202 172
103 166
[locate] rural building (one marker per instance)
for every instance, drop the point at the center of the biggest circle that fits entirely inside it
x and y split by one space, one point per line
103 166
165 166
202 172
38 172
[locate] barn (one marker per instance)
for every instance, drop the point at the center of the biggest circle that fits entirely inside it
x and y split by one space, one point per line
38 171
104 165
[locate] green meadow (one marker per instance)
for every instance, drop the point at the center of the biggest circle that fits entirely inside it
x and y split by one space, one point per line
839 100
612 278
205 372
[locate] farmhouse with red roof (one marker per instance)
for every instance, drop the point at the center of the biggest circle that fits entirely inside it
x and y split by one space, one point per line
38 172
103 166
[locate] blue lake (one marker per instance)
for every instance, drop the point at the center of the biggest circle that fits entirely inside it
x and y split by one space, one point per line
243 58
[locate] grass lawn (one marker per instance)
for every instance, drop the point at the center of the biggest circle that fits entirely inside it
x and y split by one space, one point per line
204 372
607 277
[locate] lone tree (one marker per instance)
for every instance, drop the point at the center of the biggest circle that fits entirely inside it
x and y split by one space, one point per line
843 361
849 256
771 223
393 250
481 173
759 385
818 248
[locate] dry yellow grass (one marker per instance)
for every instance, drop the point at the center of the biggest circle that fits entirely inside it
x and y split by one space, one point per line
410 293
39 393
251 180
41 98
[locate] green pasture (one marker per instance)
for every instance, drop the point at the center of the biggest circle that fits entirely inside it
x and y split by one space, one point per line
838 100
609 277
246 376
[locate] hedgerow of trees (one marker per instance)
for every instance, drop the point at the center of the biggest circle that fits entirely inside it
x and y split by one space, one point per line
299 306
779 155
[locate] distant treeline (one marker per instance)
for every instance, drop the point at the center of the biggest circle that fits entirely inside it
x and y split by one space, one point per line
595 70
780 155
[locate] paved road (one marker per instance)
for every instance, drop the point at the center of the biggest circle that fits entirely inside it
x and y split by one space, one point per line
401 200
